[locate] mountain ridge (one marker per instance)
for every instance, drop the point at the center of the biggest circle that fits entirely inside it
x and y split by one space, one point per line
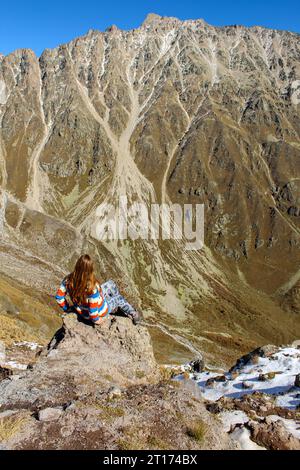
147 22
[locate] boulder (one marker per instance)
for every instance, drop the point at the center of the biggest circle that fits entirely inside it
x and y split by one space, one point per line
297 380
211 382
50 414
83 359
266 377
234 374
247 385
114 392
114 348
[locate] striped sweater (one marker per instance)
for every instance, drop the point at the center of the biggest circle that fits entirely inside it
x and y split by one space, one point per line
95 306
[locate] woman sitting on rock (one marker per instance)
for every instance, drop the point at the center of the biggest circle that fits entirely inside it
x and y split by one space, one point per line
90 299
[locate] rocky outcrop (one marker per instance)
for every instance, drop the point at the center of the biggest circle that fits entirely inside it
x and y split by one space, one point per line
273 435
256 405
82 359
116 347
253 356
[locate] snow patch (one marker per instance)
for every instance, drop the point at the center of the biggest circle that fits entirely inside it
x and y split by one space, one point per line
231 418
292 426
242 436
15 365
166 42
285 364
28 345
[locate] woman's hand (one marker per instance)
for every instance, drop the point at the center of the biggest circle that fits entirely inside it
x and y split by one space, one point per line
98 322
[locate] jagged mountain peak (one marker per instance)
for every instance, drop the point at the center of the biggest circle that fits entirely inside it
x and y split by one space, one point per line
152 18
155 19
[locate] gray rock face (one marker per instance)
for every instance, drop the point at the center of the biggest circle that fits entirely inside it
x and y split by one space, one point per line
82 359
221 98
118 348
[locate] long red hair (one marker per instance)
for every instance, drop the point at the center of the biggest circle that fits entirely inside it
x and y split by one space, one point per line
82 281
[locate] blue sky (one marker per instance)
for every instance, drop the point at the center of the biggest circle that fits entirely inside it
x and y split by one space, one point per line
41 24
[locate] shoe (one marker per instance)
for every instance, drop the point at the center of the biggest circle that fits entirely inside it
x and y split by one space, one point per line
136 318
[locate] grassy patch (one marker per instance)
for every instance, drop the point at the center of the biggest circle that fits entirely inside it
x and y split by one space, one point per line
108 377
128 444
157 443
109 412
166 373
14 330
140 374
10 426
197 430
132 438
36 321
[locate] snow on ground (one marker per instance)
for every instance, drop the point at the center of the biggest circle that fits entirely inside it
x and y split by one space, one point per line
231 418
15 365
286 365
293 426
242 436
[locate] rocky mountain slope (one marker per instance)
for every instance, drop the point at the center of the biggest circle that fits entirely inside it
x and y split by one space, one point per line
101 388
172 111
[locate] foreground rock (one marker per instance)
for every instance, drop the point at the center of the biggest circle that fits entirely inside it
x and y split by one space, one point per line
80 360
50 414
116 348
101 388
